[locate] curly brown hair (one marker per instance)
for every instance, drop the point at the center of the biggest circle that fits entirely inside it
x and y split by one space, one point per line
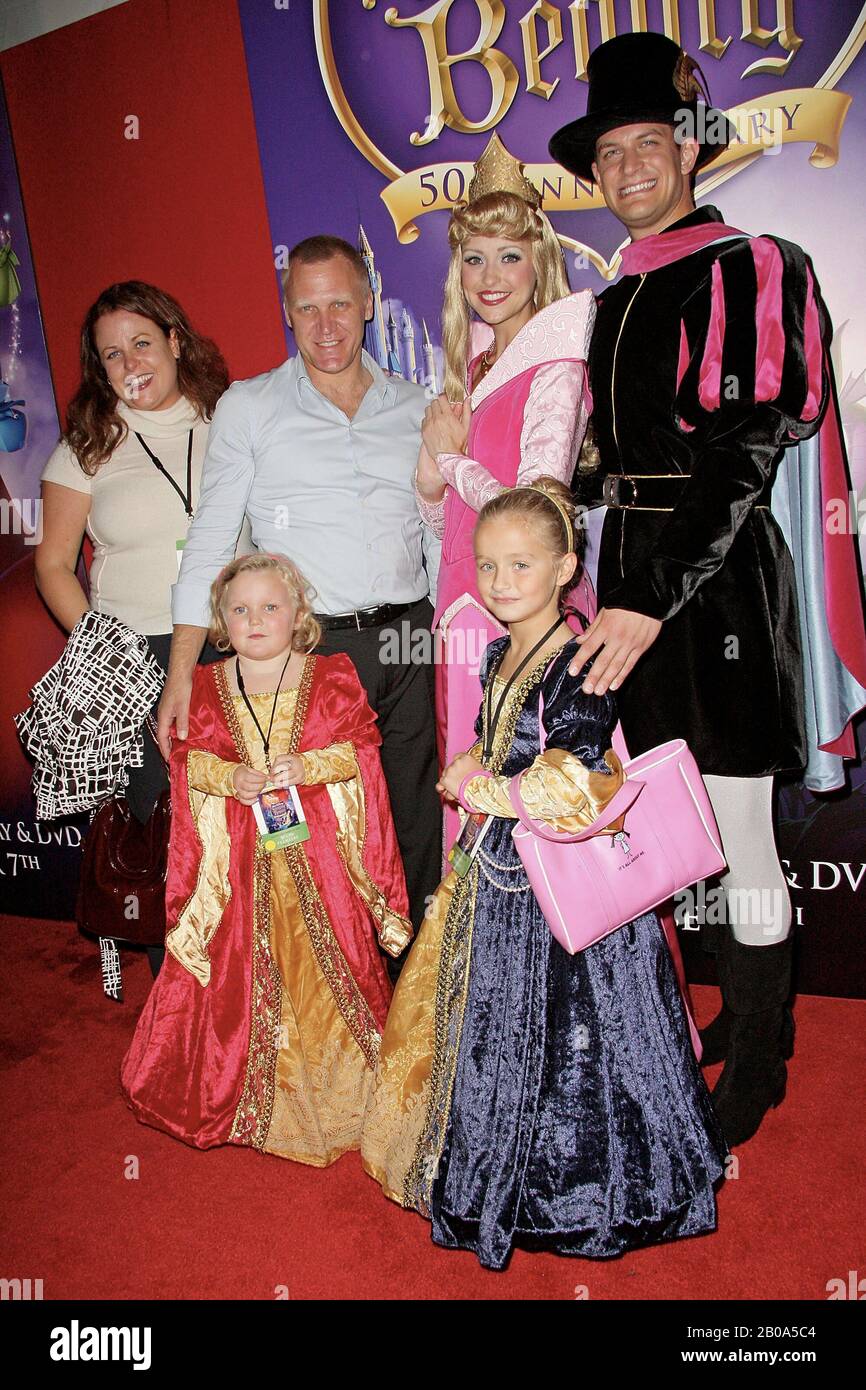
93 427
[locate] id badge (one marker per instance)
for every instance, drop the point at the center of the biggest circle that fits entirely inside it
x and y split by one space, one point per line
280 818
179 545
468 842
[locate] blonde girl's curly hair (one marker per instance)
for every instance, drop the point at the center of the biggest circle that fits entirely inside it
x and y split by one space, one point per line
495 214
308 632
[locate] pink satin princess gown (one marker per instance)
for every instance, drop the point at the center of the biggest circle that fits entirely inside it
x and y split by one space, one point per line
529 415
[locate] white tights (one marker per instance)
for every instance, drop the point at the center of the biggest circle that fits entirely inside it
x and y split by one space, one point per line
759 906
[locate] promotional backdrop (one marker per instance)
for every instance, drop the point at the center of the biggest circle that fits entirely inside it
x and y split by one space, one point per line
363 119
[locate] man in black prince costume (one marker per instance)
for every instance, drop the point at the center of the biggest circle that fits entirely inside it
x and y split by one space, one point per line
707 360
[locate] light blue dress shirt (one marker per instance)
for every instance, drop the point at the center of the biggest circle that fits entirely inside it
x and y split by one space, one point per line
335 495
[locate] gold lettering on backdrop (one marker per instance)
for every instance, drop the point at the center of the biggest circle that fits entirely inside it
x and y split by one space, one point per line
803 115
754 32
544 11
670 17
808 115
444 108
710 41
580 30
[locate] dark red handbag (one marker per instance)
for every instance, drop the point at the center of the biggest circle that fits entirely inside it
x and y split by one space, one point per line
121 893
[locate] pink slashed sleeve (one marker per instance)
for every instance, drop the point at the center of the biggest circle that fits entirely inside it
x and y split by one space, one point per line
554 422
754 333
750 380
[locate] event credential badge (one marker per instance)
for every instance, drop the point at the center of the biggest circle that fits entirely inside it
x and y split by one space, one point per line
468 842
280 818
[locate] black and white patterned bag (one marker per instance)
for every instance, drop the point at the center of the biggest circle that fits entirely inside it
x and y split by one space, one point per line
83 728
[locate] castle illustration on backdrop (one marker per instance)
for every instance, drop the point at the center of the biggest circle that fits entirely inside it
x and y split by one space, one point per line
392 340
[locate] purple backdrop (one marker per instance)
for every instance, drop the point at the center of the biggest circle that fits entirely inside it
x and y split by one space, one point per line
318 180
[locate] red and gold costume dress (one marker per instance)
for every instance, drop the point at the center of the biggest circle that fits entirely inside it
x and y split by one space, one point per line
263 1027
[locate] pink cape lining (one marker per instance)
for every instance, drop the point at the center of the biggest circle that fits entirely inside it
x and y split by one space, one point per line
663 248
841 582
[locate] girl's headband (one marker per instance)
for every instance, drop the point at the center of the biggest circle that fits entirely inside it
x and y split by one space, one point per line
566 521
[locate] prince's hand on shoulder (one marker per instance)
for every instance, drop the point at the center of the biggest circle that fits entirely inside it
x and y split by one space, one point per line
620 637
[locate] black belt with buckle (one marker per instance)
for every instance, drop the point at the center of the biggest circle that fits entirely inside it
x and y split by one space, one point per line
648 492
362 618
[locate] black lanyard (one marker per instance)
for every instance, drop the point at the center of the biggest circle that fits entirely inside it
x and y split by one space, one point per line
265 737
186 498
491 720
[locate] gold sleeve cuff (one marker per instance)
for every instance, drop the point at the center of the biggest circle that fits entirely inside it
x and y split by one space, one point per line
208 773
349 805
336 763
557 788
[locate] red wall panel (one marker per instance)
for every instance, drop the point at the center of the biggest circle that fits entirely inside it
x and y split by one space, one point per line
182 206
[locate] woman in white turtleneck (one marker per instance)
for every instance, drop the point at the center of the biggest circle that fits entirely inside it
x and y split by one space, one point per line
127 474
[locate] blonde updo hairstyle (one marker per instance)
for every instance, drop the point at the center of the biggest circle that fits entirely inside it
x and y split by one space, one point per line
308 632
504 215
540 506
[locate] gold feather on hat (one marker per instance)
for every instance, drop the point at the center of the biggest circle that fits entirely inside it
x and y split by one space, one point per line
497 171
688 86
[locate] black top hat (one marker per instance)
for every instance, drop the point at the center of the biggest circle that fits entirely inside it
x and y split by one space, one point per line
637 78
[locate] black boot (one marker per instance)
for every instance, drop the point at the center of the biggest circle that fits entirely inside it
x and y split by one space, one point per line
756 983
716 1037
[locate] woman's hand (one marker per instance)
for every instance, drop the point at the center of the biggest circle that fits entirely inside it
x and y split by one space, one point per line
624 636
247 784
445 427
429 483
288 770
464 765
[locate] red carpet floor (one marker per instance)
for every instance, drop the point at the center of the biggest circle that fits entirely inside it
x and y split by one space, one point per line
235 1224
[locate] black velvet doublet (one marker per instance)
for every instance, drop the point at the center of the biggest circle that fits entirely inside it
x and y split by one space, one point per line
725 672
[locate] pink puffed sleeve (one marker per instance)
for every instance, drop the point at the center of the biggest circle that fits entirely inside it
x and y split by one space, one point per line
554 421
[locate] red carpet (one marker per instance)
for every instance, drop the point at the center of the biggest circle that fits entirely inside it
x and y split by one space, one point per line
234 1224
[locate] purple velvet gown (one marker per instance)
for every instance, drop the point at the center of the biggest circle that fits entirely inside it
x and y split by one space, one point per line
565 1109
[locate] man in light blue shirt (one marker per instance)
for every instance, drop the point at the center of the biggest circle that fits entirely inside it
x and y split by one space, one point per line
320 455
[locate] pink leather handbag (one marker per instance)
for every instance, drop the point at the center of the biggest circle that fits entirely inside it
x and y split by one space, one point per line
589 884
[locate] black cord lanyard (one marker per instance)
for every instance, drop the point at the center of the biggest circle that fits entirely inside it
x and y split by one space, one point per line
265 737
186 498
491 719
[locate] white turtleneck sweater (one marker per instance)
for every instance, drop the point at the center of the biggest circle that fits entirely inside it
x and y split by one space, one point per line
136 517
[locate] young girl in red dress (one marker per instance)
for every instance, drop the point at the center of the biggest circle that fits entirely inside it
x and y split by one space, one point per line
264 1025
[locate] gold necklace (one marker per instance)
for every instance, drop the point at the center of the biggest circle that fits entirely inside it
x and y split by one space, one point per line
484 366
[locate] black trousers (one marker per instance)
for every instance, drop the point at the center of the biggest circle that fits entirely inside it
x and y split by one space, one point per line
400 691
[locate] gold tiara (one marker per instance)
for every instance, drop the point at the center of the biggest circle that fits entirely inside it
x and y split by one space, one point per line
497 171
